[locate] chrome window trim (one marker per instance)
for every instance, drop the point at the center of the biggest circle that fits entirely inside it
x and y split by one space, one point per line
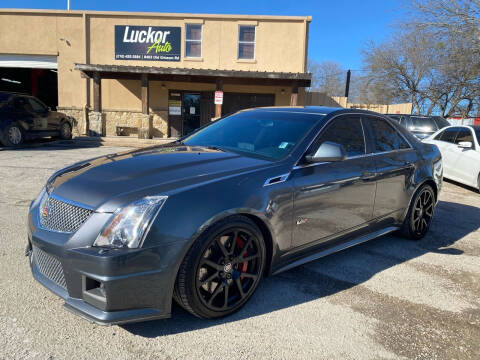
296 167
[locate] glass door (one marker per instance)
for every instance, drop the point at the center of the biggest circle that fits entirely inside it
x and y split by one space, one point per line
191 112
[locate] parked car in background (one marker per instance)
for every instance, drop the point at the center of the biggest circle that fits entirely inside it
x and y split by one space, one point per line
24 117
203 219
420 126
460 148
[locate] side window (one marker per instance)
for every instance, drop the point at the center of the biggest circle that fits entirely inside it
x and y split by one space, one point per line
439 135
36 106
386 138
450 134
464 135
346 131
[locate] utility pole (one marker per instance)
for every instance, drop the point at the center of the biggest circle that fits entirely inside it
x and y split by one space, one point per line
68 5
347 84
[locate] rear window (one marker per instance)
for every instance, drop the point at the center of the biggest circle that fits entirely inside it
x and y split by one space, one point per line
424 123
441 122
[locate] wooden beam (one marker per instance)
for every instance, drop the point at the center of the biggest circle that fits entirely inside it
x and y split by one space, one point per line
294 95
218 107
97 92
145 94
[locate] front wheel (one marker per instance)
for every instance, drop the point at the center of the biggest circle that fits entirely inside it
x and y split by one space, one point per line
222 269
420 213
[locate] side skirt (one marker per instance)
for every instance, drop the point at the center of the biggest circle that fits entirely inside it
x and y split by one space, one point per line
337 248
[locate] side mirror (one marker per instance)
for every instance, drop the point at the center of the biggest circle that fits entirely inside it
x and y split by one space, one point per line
327 152
465 144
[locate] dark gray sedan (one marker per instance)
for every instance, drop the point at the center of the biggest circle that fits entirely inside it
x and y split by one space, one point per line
203 219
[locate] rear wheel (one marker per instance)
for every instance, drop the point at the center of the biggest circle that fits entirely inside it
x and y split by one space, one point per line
420 214
13 135
222 269
65 131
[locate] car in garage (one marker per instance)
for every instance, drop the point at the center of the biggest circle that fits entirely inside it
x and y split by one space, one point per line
25 117
420 126
460 148
203 219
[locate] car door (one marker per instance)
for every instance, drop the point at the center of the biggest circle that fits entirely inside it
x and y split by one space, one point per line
25 114
446 144
332 198
48 120
395 161
467 161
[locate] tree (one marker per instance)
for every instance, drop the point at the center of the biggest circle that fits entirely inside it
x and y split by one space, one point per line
398 68
327 77
431 62
457 18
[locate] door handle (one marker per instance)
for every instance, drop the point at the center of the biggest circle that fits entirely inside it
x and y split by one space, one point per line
368 175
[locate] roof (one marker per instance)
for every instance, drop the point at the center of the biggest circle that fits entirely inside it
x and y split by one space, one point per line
187 74
320 110
157 14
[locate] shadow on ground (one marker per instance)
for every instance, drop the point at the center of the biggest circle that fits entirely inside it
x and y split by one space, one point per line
452 222
54 144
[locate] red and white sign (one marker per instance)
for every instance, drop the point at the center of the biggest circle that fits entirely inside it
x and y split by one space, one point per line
218 97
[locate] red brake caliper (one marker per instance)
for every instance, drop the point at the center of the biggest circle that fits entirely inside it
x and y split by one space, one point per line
242 267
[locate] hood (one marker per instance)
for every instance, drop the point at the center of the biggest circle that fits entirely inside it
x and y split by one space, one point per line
133 174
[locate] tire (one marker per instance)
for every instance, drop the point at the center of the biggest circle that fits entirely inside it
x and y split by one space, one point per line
222 269
14 135
65 131
420 213
478 183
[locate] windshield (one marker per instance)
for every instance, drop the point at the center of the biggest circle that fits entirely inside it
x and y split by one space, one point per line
422 124
269 135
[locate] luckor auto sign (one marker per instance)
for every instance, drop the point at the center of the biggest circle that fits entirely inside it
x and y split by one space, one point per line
157 43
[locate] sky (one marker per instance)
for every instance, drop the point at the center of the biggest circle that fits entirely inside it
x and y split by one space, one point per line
338 32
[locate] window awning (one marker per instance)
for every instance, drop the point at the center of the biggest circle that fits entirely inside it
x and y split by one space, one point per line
195 75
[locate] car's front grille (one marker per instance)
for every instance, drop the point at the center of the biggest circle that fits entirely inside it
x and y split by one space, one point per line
49 266
60 216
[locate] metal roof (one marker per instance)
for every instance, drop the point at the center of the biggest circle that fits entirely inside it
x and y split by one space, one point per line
209 75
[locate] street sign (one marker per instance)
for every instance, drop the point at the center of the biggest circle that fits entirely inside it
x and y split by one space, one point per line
218 97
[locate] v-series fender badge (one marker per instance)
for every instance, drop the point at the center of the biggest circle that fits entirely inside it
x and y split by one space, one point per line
144 36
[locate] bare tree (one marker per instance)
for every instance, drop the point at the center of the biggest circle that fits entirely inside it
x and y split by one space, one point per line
398 68
458 18
327 77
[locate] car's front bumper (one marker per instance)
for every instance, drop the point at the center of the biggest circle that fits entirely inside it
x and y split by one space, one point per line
105 286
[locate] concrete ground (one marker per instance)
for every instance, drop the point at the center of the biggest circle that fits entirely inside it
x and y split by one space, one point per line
386 299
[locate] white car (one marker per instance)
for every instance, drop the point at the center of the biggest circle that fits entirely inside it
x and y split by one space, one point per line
460 148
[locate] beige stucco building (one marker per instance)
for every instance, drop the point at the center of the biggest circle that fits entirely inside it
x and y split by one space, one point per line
153 74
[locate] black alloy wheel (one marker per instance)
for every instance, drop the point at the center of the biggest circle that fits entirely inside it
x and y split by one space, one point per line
420 214
222 269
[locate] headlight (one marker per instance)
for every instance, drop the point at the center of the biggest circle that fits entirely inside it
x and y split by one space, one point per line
129 224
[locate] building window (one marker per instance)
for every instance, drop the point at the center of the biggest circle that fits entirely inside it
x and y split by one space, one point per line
246 42
193 40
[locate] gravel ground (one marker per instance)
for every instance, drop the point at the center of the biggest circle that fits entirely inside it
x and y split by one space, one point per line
386 299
